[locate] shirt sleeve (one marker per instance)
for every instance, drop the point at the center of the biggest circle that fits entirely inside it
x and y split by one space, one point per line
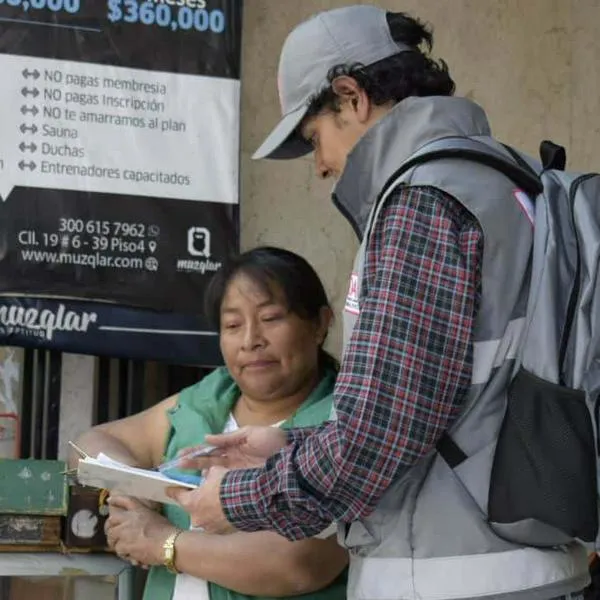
402 382
297 435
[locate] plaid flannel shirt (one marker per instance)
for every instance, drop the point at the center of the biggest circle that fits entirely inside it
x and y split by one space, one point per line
402 382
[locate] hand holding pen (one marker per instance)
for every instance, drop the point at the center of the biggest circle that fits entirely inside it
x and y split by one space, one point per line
186 459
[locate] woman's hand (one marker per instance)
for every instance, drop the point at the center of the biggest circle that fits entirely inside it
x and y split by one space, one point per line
203 504
149 504
135 532
246 448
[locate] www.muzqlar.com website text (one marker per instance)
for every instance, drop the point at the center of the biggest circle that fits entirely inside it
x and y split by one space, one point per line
93 260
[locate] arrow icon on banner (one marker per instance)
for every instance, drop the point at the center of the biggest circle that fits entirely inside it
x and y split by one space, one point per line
29 109
27 73
25 128
31 147
30 92
27 165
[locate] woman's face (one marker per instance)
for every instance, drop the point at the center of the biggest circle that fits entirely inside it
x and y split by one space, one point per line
269 351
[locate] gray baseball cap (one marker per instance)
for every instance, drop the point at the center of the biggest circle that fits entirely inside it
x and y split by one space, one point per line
349 35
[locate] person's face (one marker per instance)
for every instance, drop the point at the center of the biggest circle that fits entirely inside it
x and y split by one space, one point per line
269 351
333 134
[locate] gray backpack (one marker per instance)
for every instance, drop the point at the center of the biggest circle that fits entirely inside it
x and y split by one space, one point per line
543 489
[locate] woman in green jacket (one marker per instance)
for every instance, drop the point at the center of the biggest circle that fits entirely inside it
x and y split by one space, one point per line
273 316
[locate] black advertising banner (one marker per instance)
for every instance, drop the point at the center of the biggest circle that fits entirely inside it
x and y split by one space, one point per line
119 172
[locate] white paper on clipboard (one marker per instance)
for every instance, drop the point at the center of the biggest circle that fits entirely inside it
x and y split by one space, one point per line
105 473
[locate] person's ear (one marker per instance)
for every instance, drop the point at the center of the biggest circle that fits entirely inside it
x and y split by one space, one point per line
349 92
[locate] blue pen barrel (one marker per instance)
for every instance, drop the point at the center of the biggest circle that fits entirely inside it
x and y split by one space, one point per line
202 450
184 477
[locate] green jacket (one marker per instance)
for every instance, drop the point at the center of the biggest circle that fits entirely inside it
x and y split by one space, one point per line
202 409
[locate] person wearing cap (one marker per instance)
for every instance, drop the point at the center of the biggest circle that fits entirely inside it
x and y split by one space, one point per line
434 313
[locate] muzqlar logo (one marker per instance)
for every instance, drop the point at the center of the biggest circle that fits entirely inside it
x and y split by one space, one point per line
198 246
198 242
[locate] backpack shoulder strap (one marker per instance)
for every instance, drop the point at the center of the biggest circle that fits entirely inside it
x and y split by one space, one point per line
469 149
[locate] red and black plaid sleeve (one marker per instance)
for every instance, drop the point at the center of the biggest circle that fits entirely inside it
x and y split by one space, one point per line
404 376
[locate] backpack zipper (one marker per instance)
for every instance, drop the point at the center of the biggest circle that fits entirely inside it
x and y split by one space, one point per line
577 283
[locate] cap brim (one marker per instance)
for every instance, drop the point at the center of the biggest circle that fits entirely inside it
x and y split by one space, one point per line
284 142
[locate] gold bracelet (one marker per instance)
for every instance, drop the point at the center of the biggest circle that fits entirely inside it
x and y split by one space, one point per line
169 551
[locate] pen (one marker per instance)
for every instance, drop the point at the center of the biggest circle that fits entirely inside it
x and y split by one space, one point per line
184 477
203 450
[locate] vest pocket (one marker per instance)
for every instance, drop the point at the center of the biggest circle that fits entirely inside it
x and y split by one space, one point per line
543 480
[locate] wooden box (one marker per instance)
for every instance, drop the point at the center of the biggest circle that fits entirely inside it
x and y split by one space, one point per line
84 525
33 487
27 531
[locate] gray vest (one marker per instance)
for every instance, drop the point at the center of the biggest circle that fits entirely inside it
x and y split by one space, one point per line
428 538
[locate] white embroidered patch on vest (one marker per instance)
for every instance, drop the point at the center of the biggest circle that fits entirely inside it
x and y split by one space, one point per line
352 297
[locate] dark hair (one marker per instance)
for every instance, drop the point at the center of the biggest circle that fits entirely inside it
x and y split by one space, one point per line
274 270
409 73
